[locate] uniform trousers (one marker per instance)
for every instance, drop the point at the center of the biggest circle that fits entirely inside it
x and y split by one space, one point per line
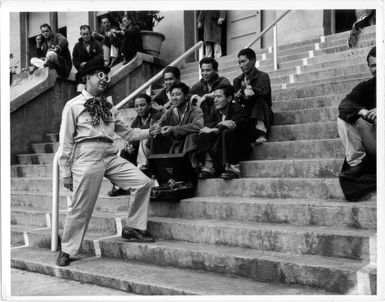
91 162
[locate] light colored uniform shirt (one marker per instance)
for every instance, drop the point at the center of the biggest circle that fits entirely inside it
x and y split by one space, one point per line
76 126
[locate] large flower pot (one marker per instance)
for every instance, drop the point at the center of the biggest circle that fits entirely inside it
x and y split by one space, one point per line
152 42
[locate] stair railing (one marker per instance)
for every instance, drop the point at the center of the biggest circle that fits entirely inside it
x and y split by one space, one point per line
55 173
275 42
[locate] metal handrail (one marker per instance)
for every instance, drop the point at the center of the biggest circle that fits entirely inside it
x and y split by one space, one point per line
55 169
267 29
158 75
275 44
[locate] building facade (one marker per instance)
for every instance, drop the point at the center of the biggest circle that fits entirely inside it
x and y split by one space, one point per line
240 27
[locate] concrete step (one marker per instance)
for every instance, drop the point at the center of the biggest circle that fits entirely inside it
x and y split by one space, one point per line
302 168
366 74
340 87
258 187
45 147
102 223
43 201
240 262
287 211
53 137
322 241
266 266
307 103
36 158
326 55
364 31
309 131
331 73
318 188
147 279
24 283
31 170
317 115
343 40
300 149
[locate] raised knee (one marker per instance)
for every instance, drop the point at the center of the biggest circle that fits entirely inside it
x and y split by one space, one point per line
51 55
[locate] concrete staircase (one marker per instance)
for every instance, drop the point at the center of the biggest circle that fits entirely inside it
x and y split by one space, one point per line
282 229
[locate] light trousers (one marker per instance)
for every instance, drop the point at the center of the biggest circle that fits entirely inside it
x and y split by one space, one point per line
209 46
91 162
143 153
358 139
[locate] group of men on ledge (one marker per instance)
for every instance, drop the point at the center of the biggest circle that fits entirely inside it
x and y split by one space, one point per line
108 47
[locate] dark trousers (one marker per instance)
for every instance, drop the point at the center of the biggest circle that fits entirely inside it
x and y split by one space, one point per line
225 147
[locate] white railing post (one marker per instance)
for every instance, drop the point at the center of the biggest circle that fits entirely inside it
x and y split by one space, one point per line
275 47
55 203
200 57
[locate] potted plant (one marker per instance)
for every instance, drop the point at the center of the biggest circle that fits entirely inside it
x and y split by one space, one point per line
146 20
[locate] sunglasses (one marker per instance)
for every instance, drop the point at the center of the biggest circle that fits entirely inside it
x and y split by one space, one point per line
102 76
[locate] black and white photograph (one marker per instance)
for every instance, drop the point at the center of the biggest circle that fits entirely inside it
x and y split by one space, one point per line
192 150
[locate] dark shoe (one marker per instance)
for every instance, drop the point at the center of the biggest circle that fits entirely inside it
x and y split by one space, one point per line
354 172
63 259
117 192
134 235
205 174
229 175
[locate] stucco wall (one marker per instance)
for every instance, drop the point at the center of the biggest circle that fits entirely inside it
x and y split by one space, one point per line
36 19
15 45
73 21
298 25
172 26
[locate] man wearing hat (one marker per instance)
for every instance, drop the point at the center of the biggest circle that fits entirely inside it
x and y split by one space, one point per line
87 154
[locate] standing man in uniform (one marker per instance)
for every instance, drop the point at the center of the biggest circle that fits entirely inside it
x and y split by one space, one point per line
86 155
212 21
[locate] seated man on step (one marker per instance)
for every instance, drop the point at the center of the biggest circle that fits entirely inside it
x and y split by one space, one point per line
137 152
253 90
87 154
171 76
86 50
53 49
202 93
111 41
179 126
226 137
357 129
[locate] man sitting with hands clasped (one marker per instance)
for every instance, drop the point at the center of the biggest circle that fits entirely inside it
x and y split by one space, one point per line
226 138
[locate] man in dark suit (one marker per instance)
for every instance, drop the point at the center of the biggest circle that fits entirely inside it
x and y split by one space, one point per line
226 137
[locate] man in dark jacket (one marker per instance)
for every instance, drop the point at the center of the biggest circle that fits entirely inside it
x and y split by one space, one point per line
131 39
357 125
226 137
171 76
179 126
111 41
86 50
253 90
137 152
202 93
54 48
212 22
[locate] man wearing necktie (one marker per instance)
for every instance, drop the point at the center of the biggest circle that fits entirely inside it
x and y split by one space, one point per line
87 154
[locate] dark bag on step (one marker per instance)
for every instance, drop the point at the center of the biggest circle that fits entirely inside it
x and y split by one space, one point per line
176 177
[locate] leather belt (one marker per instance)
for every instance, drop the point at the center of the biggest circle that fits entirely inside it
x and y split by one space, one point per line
97 140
